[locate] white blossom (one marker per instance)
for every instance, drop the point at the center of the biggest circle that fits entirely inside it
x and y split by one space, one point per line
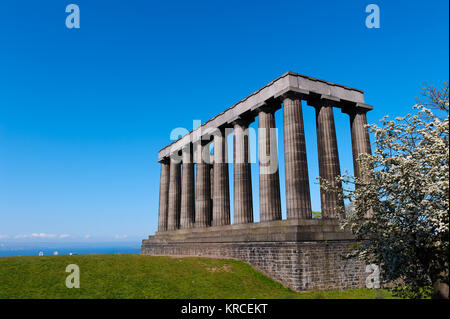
406 189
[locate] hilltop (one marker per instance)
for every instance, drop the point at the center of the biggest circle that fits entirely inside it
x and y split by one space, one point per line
136 276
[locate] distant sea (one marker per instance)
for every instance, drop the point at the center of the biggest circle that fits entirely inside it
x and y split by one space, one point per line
68 248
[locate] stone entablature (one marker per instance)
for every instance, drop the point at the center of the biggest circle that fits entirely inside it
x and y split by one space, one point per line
308 88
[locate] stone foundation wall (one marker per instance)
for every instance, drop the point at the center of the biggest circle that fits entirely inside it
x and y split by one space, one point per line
301 266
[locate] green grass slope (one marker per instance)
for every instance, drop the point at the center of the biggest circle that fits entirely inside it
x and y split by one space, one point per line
135 276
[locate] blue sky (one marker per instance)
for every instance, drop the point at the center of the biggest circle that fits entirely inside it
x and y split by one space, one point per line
83 112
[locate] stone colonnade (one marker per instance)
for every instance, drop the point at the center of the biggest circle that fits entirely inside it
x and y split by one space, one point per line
185 203
200 200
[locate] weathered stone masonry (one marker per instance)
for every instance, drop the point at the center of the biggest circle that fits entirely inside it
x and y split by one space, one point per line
298 265
194 215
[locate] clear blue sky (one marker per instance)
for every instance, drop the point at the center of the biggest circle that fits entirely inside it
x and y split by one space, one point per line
84 111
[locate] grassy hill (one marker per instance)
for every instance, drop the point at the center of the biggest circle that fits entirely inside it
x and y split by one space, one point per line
135 276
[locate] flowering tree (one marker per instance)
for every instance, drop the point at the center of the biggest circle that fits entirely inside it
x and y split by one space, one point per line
405 188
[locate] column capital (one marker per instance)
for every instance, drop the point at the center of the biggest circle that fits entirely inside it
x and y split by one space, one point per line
357 108
226 130
270 105
317 100
164 160
242 120
176 156
293 93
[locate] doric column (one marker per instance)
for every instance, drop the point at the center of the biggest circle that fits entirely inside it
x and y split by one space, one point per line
211 188
360 136
243 205
163 195
360 142
187 189
173 219
328 158
269 180
298 201
202 187
221 188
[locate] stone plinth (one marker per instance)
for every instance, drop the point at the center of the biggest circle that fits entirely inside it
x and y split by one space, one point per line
301 254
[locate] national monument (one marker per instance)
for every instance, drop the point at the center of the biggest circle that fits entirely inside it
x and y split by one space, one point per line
194 206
